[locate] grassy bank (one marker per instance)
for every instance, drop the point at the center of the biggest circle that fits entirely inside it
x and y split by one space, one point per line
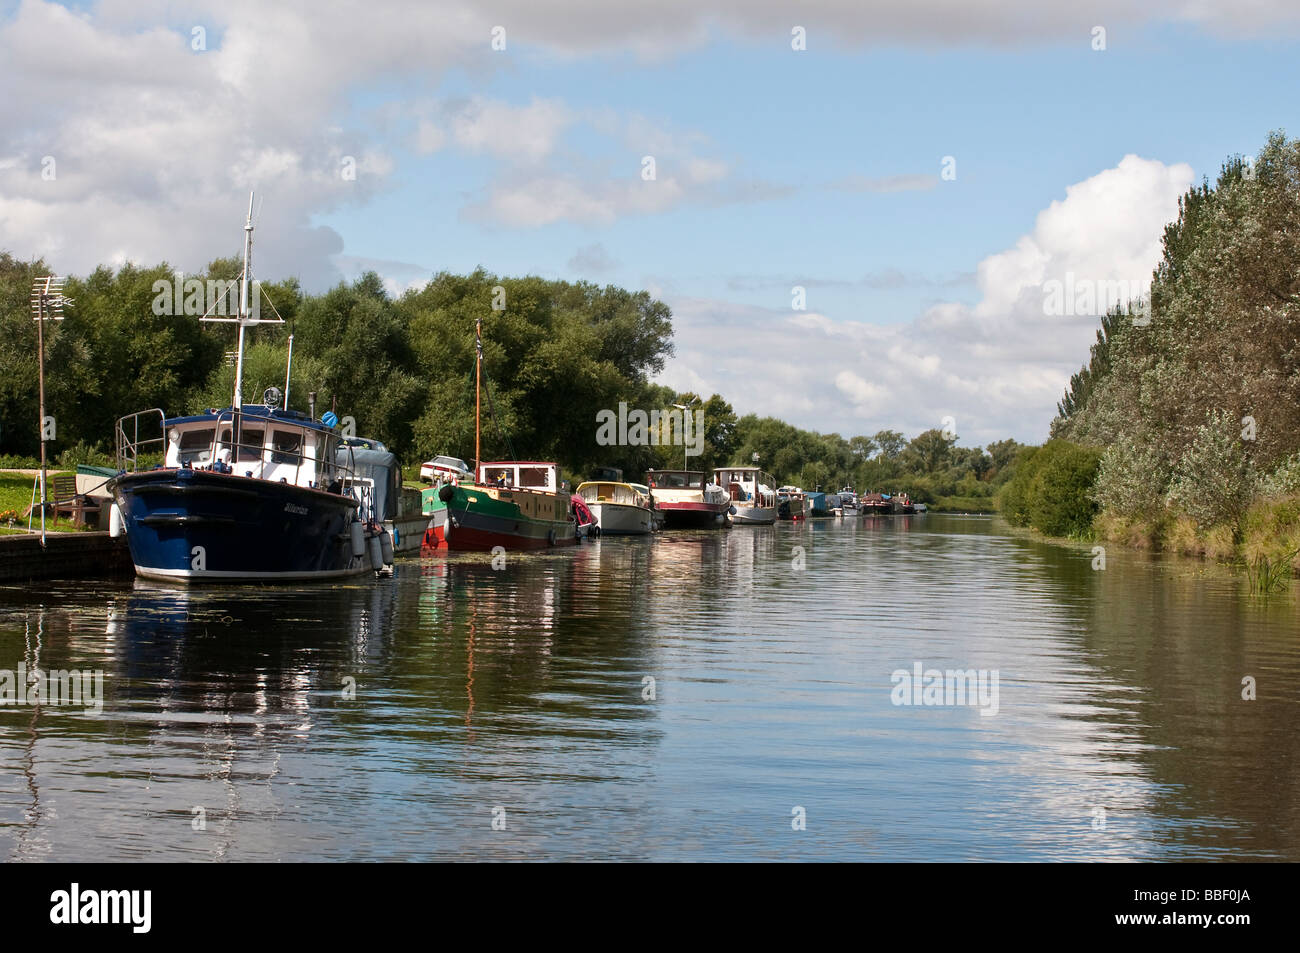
1268 534
15 497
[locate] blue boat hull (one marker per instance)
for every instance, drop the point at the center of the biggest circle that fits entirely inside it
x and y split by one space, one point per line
194 526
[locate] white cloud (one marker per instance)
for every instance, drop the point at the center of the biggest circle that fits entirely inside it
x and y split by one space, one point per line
998 367
429 137
523 133
155 142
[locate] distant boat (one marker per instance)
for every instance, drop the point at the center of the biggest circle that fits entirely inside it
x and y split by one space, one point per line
443 469
792 504
903 504
685 500
921 508
848 502
752 494
877 504
620 509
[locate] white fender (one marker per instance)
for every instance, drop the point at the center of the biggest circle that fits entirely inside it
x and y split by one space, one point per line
116 522
386 547
358 539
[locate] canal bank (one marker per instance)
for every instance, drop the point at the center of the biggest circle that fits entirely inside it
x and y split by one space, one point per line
64 556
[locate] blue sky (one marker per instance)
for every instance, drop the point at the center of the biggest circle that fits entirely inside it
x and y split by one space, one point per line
775 167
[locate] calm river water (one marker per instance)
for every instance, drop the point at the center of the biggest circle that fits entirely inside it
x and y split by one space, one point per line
510 714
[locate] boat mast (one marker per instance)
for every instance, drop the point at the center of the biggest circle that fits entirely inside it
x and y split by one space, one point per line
478 382
243 303
288 370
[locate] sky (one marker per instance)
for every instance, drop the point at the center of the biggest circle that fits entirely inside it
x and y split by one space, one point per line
855 210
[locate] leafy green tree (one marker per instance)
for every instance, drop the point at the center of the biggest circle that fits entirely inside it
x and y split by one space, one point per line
862 448
1213 481
932 450
891 443
1060 500
1217 345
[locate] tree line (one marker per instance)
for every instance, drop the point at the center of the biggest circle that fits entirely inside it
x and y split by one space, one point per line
555 353
1191 404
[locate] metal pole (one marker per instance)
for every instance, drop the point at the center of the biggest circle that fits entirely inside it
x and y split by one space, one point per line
287 371
243 304
478 383
40 419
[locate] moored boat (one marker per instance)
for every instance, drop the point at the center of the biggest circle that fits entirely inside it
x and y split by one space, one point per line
512 503
903 504
751 492
685 500
620 509
244 494
396 507
249 494
792 503
877 504
441 470
587 523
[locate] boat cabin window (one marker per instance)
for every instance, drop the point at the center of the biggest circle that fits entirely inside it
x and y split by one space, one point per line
534 477
250 443
196 447
678 481
286 446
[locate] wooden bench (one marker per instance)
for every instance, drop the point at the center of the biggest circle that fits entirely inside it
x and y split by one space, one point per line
62 499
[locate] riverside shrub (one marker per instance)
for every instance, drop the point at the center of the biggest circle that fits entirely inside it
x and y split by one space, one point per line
1052 489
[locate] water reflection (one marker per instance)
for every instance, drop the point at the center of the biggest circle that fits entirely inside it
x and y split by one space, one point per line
670 697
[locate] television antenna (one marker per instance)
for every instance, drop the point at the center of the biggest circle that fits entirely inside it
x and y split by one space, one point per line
48 301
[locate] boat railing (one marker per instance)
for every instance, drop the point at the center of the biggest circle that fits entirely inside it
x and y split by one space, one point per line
362 489
257 459
142 444
541 491
131 446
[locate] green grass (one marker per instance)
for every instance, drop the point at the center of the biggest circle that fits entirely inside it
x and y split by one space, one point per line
16 496
1267 576
15 492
